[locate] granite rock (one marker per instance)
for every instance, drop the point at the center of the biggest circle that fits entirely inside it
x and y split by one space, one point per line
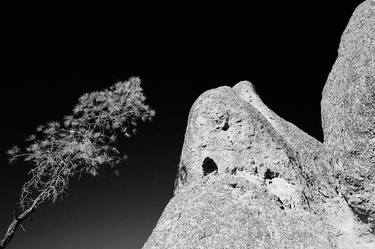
227 211
249 179
348 113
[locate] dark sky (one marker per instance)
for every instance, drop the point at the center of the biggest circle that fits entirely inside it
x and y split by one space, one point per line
52 56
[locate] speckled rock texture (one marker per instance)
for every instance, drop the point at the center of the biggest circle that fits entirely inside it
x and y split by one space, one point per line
348 113
249 179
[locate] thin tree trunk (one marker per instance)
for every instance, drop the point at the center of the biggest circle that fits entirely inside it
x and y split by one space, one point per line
17 221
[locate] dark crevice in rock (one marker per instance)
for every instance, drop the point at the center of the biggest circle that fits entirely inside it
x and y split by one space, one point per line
234 185
355 184
269 174
306 199
183 173
226 125
282 204
208 166
362 214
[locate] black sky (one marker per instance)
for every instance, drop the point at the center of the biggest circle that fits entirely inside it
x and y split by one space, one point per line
52 56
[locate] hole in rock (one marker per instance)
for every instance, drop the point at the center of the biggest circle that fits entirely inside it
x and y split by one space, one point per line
226 125
208 166
182 173
269 174
234 185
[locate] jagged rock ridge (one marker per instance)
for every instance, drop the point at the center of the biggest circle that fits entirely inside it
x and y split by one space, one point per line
249 179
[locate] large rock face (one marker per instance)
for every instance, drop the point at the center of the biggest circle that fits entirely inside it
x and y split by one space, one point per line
237 212
249 179
348 113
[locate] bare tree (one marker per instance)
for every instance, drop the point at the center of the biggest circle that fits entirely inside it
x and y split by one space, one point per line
83 142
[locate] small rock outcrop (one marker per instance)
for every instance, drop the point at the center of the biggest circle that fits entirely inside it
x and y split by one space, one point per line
249 179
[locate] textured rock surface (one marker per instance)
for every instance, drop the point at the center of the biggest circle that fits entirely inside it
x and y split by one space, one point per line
236 212
229 133
249 179
348 112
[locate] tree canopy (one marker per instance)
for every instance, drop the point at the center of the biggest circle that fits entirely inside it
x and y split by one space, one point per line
83 142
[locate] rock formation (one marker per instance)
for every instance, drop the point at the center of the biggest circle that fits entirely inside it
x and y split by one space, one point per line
348 113
249 179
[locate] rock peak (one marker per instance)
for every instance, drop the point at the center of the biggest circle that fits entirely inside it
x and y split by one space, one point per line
246 90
